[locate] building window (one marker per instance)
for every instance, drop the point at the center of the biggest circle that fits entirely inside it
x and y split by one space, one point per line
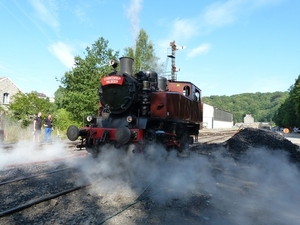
5 98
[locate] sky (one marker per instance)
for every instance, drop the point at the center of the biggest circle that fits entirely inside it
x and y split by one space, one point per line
225 47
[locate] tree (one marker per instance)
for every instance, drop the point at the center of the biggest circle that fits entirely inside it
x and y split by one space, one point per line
288 115
295 95
143 54
58 96
78 93
62 119
25 106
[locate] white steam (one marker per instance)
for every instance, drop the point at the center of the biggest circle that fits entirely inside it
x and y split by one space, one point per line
261 188
28 152
133 13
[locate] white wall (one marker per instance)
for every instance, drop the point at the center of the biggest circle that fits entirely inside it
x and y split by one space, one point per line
208 119
222 124
208 114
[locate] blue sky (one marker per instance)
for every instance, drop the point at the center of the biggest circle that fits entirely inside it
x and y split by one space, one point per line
231 47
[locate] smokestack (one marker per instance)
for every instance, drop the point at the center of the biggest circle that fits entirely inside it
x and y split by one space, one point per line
126 65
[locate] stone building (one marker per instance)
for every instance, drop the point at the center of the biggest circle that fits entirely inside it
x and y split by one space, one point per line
248 119
7 90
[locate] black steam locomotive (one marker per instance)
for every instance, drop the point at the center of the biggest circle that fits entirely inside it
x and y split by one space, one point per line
135 111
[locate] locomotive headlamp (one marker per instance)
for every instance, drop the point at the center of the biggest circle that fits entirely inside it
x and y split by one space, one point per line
89 118
129 119
146 85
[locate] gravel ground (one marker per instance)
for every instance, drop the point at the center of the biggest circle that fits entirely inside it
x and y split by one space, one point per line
22 191
252 178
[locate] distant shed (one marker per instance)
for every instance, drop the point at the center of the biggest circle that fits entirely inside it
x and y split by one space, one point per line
215 118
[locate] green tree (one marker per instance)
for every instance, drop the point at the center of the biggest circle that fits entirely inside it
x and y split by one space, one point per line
288 115
78 93
143 54
25 106
62 119
295 95
58 96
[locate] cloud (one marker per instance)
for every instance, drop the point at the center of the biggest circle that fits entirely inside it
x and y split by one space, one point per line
81 14
63 52
82 10
184 29
46 11
133 13
220 14
215 15
203 48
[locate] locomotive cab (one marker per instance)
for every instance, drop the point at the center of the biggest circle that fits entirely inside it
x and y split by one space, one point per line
187 89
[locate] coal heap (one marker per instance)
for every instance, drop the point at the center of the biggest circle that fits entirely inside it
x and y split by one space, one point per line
251 137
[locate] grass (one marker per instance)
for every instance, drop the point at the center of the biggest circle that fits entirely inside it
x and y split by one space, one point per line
13 132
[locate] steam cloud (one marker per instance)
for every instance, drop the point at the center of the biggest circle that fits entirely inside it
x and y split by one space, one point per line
261 188
28 152
133 15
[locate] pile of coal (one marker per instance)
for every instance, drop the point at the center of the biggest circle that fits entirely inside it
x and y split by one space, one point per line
256 138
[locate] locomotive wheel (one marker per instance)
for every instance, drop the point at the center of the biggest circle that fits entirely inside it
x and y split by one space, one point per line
1 136
135 149
184 143
94 151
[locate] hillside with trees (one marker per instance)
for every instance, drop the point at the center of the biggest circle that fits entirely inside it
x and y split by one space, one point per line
262 106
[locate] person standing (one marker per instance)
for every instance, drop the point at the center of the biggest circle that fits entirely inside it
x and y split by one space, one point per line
37 127
48 128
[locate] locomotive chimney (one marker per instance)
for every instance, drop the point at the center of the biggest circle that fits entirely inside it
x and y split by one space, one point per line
126 65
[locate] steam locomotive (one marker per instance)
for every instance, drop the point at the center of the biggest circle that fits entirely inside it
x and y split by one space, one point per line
135 111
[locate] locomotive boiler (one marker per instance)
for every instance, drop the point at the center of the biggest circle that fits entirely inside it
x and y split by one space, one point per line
141 109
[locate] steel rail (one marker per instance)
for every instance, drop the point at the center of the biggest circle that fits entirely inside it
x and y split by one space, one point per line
37 201
32 176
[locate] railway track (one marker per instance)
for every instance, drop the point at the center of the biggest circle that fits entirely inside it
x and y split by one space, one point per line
13 203
213 136
20 193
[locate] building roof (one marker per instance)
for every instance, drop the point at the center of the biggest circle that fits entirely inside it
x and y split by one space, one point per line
6 78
